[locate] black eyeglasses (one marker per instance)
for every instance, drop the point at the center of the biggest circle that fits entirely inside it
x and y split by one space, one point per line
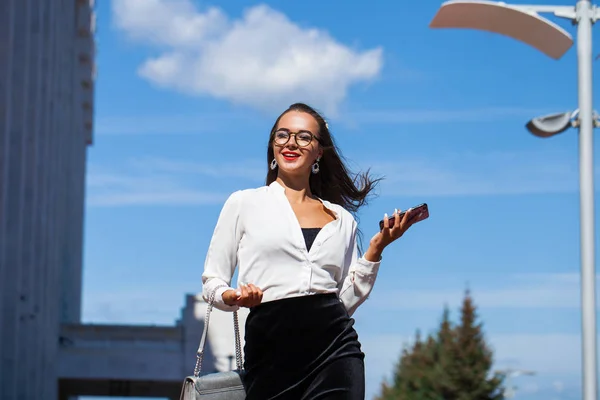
302 138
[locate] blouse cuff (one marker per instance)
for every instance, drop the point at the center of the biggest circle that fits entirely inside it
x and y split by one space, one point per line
366 267
220 303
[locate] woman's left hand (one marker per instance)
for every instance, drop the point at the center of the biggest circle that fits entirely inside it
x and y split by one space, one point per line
390 233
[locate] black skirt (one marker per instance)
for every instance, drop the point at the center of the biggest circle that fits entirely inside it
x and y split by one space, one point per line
303 348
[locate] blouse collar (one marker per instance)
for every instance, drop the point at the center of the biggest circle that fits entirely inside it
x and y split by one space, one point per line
280 189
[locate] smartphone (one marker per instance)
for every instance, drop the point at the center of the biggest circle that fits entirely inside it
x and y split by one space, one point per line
419 213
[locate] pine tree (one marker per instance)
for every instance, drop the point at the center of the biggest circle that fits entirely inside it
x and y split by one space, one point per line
407 381
472 359
446 337
452 364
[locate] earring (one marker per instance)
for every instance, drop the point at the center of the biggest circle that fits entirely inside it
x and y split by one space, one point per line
273 164
315 167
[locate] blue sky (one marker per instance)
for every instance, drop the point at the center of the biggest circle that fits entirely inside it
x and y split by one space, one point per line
183 111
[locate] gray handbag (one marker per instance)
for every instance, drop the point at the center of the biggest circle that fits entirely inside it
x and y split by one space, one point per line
220 385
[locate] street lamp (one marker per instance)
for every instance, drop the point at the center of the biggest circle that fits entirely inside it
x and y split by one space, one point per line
523 23
550 125
553 124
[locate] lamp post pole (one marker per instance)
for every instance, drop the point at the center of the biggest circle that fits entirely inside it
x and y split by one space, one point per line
523 23
585 15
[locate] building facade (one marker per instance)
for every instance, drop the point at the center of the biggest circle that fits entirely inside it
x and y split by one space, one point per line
47 77
144 361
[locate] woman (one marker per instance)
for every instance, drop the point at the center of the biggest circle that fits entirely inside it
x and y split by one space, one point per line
300 274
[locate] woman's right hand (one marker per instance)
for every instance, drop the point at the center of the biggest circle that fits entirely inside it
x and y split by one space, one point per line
246 296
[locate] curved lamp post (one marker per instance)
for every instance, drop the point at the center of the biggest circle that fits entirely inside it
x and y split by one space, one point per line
523 23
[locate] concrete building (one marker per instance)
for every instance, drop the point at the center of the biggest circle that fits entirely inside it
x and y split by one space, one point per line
144 361
47 75
46 107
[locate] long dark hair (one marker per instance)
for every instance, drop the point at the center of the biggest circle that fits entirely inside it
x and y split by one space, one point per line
334 182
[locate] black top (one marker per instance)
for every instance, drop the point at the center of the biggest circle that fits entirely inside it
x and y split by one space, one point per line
309 236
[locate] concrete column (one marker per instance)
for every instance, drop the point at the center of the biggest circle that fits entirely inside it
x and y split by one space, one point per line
12 291
26 131
52 155
6 295
55 189
43 182
45 232
39 133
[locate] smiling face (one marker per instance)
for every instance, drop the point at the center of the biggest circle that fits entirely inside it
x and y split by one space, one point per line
295 143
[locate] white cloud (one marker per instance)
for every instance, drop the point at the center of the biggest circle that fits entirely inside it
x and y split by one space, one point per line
156 198
556 291
420 116
133 306
169 124
248 169
262 60
479 174
559 386
530 388
115 188
166 181
160 181
163 124
173 23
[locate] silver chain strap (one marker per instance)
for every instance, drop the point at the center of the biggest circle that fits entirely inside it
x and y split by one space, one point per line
238 344
236 328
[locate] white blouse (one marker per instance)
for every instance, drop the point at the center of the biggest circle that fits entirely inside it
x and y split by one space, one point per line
258 231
